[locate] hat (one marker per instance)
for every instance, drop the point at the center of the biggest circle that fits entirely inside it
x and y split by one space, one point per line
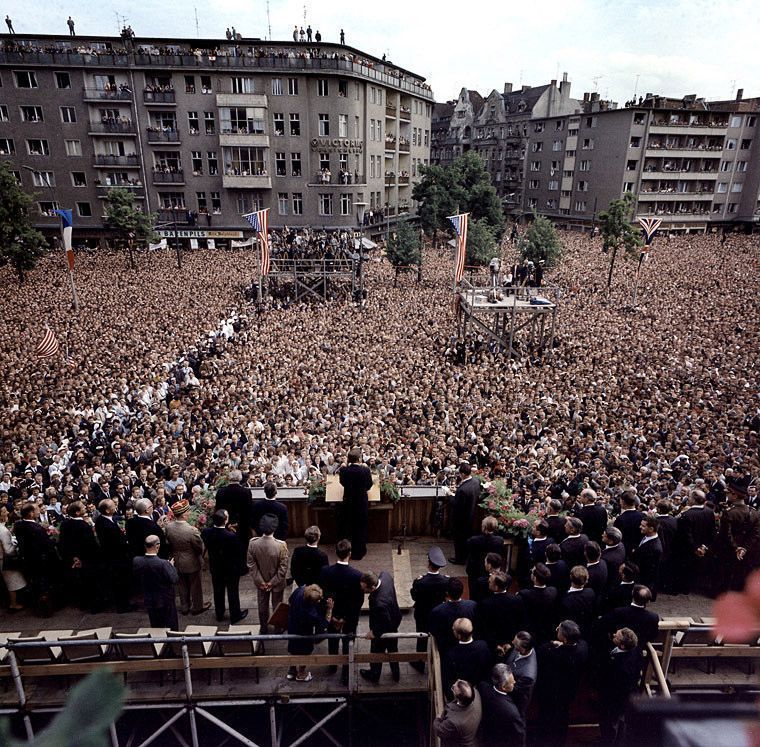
737 485
180 507
436 557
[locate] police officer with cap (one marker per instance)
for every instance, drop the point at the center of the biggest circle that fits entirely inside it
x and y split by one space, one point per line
428 591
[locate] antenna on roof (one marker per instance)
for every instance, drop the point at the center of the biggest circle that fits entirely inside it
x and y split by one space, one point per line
596 80
733 88
269 23
636 87
197 28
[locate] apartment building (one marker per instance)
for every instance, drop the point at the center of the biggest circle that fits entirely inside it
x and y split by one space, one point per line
202 131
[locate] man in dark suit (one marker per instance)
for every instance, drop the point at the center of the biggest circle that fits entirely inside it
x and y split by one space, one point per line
384 617
353 512
620 593
667 530
592 514
540 603
555 522
116 557
469 659
695 538
462 510
479 587
523 662
629 521
140 526
573 545
635 616
270 505
308 560
442 617
227 565
342 583
560 573
579 603
82 560
738 537
479 546
158 579
237 501
501 723
500 615
648 555
561 666
39 560
597 571
541 541
613 553
428 591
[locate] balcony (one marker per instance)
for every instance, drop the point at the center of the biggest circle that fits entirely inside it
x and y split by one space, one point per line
180 215
390 180
405 114
241 99
686 129
107 160
244 138
168 177
403 181
671 195
248 181
163 136
403 145
102 190
390 143
112 128
654 150
98 94
657 173
335 180
159 97
390 112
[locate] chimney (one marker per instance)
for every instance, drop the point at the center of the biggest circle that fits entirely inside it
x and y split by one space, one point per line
586 96
564 87
507 88
739 94
524 89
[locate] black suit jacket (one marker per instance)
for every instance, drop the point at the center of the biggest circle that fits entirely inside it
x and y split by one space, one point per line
113 541
384 612
560 670
696 527
77 540
617 596
477 548
580 607
629 523
238 502
597 579
501 723
463 506
666 531
158 578
556 528
442 617
619 678
469 661
648 557
428 592
138 529
274 507
225 553
356 480
498 617
342 584
594 517
572 550
36 547
538 550
613 558
640 620
540 612
560 576
306 565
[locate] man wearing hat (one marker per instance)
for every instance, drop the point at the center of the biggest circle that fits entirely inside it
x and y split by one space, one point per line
428 591
186 548
268 564
738 538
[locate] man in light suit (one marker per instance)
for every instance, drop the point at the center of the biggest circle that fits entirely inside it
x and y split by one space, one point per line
187 550
268 564
158 578
523 662
458 725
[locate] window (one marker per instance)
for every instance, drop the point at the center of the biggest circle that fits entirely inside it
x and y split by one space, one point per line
639 119
193 125
631 165
276 86
582 186
209 119
345 204
751 121
46 207
635 142
532 202
25 79
737 187
43 179
242 85
372 167
627 187
746 144
732 206
535 165
427 138
292 86
216 203
213 166
282 203
537 147
324 125
588 143
36 147
297 203
295 164
244 161
323 89
741 165
78 179
84 210
730 144
584 166
570 153
557 145
725 165
249 201
31 114
538 127
196 159
534 184
202 204
372 129
243 120
324 161
580 206
3 113
295 125
590 121
342 88
325 204
356 127
279 123
73 147
553 185
722 187
68 114
279 165
206 84
736 121
62 80
551 204
342 125
189 84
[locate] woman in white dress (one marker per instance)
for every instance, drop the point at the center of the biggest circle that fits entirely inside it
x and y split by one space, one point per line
14 579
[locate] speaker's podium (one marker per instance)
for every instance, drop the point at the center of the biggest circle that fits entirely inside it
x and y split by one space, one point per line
379 529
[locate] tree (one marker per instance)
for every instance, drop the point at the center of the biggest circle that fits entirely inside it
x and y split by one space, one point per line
21 245
480 197
403 249
618 230
481 242
438 197
130 221
541 242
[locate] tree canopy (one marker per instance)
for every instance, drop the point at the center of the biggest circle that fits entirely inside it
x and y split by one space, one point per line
21 245
482 244
403 249
541 242
618 231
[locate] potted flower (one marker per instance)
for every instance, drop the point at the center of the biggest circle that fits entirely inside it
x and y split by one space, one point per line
389 491
316 490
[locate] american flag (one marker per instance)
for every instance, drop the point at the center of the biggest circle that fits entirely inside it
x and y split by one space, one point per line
260 222
460 226
69 360
48 346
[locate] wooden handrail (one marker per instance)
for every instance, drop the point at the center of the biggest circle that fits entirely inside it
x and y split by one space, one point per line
654 661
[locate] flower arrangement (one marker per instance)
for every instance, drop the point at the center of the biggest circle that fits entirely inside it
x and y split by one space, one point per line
316 490
389 491
201 510
497 501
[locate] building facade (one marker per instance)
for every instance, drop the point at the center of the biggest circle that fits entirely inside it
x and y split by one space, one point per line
202 131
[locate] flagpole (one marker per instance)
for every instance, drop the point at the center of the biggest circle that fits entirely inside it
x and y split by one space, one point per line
261 262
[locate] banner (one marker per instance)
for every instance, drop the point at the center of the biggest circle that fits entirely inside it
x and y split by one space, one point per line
211 243
155 247
241 244
193 243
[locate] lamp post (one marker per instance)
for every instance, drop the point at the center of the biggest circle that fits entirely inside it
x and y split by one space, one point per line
361 208
176 235
44 178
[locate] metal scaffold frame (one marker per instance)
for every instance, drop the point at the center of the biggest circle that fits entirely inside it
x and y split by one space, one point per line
313 277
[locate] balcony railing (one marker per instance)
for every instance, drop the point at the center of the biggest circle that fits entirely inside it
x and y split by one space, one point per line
403 180
102 190
403 146
405 113
180 215
168 177
106 159
113 128
99 94
390 111
159 97
162 136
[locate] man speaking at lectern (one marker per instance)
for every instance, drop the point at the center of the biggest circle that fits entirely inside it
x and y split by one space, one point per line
356 480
